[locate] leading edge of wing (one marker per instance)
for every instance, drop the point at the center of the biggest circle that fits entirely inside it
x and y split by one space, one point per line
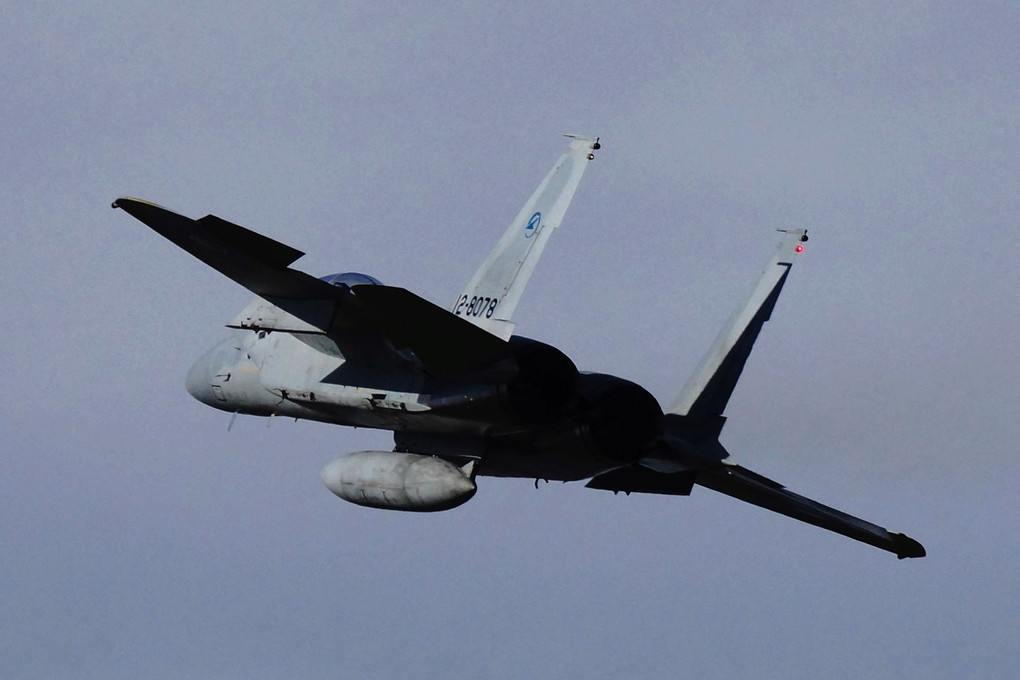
443 343
743 484
257 262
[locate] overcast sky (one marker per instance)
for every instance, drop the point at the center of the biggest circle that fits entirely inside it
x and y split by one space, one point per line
140 539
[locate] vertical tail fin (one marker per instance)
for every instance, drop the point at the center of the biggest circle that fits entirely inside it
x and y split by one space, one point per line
709 388
490 298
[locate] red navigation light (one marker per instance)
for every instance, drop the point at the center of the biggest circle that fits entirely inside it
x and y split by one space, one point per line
799 248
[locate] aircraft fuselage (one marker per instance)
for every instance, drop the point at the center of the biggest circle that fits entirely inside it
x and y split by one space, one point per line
268 373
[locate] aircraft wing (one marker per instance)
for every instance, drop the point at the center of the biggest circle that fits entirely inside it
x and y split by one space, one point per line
257 262
445 344
743 484
354 317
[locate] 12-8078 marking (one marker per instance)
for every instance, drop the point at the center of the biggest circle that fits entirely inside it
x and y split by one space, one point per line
475 306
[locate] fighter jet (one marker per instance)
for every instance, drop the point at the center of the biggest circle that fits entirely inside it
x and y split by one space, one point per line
463 394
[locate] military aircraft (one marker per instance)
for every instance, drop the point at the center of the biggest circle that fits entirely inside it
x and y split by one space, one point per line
463 395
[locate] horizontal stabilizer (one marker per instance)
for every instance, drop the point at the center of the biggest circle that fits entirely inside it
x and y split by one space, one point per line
639 479
751 487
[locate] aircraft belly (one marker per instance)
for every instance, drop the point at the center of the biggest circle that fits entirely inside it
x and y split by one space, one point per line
504 456
364 415
534 465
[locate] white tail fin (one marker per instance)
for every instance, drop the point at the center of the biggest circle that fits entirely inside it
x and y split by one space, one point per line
709 388
490 298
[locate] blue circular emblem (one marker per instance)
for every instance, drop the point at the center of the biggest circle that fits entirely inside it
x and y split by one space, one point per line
533 223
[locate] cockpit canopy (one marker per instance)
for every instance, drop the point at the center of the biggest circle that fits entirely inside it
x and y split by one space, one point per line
351 279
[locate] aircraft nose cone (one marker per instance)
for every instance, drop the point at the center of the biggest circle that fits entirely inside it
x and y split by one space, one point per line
198 382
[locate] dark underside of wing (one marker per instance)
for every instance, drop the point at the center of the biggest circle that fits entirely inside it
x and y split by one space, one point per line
753 488
410 327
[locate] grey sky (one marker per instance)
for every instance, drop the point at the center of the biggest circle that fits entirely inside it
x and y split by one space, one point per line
141 539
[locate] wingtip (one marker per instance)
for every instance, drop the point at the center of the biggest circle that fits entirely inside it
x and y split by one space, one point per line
907 547
124 201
